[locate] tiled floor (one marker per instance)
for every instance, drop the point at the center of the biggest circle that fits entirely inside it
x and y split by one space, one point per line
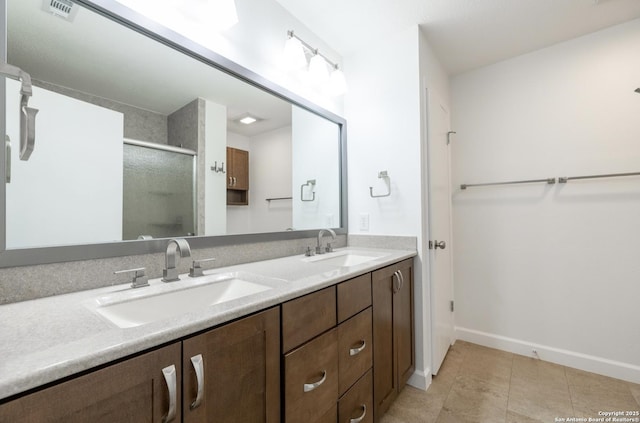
482 385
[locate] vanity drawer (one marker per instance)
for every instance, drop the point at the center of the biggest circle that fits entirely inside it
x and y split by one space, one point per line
355 349
307 317
357 404
312 368
354 296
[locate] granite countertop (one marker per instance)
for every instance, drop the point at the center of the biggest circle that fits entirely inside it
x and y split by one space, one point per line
51 338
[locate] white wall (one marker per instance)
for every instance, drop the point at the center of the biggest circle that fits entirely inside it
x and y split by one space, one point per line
47 204
215 199
269 176
384 110
552 267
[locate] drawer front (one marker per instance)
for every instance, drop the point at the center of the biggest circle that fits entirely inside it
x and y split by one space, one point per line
355 349
356 406
312 368
353 296
307 317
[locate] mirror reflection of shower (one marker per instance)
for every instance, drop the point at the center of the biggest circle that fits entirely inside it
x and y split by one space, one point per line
159 190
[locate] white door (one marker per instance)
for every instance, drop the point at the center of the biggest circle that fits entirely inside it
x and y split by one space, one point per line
440 266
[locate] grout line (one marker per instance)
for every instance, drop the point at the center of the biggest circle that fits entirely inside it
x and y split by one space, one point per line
506 411
564 368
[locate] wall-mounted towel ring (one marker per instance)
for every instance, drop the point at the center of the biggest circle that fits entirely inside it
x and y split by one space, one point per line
310 183
382 175
27 114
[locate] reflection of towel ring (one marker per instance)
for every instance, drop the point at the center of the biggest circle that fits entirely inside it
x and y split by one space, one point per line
312 184
382 175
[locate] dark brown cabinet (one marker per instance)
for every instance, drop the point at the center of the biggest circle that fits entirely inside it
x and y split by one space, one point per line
131 391
232 373
237 176
393 328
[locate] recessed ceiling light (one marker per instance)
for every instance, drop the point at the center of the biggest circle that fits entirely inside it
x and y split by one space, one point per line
248 120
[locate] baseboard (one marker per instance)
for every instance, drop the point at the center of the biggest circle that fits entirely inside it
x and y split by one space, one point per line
420 379
589 363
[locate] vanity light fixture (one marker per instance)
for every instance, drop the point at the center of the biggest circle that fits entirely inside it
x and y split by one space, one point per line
295 57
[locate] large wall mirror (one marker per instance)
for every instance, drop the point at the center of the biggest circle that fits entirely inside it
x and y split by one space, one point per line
140 136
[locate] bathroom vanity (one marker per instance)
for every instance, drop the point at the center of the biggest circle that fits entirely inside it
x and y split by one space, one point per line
330 341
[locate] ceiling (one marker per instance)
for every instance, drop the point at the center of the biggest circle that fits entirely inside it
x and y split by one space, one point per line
161 80
465 34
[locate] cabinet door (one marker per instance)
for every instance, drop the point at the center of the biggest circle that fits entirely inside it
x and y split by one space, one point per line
240 379
132 391
403 324
393 349
237 169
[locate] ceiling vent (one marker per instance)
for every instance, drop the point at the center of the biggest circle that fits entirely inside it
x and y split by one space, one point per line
65 9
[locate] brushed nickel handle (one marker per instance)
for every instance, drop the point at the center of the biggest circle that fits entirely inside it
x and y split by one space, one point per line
234 181
401 280
198 366
359 419
169 374
395 287
230 181
308 387
439 244
7 158
358 350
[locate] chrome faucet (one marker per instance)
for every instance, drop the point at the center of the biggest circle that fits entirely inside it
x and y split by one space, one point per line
328 248
170 272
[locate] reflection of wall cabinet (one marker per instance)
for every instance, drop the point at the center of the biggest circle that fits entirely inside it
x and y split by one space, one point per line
237 176
329 375
240 380
393 332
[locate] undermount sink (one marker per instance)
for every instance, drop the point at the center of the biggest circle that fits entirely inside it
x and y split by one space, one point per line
135 308
344 258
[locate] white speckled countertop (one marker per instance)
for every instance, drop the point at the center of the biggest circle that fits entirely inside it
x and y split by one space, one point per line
50 338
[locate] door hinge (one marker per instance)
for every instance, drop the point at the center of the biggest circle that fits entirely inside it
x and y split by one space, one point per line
451 305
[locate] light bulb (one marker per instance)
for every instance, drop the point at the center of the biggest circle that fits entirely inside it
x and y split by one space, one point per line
337 83
318 72
293 56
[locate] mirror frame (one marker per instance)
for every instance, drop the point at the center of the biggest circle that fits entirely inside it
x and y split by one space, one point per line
120 14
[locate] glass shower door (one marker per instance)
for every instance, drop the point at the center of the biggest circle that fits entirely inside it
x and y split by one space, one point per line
158 192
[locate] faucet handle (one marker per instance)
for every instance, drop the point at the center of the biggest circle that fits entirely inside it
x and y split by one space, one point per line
139 279
196 267
328 248
308 252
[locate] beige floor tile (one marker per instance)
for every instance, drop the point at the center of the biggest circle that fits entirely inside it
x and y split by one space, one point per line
635 391
476 400
513 417
540 400
534 370
489 365
414 405
591 393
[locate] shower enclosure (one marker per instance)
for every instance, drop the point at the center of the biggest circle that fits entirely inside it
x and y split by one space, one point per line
158 191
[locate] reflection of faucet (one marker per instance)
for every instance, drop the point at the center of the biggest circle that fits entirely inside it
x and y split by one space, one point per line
170 272
27 114
328 249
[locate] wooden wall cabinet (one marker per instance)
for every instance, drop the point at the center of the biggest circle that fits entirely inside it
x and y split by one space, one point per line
393 328
237 176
